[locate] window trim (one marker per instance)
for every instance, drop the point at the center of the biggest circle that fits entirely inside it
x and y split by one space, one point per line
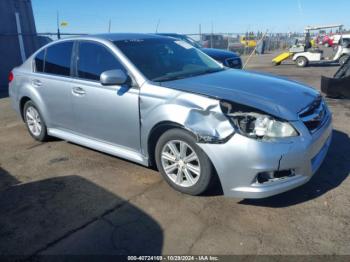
45 50
34 62
76 59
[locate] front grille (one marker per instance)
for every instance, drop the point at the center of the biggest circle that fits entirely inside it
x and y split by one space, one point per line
314 115
234 63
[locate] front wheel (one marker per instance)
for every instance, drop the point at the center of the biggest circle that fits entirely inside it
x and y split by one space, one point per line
182 163
301 61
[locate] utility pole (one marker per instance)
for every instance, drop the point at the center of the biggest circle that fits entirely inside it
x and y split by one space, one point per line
109 25
212 34
200 32
157 25
58 26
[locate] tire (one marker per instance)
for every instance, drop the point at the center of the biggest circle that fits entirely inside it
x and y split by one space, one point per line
343 59
33 119
197 184
301 61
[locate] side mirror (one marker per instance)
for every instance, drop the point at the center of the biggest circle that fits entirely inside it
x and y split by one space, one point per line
113 77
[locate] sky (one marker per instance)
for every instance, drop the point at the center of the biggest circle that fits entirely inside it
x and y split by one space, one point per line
185 16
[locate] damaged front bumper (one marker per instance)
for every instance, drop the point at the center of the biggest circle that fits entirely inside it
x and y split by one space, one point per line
240 161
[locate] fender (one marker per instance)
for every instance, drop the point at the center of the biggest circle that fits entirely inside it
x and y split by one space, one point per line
202 116
27 90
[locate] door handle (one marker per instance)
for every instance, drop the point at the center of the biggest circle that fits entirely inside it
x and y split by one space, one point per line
78 91
37 83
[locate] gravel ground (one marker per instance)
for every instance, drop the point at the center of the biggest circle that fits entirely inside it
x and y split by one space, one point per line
60 198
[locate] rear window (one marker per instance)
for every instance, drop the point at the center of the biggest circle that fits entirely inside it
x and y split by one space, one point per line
39 61
58 59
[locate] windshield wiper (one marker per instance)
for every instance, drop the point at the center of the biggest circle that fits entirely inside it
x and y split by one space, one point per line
167 78
185 75
209 71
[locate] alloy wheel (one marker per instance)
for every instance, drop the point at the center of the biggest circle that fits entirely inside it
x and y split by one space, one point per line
180 163
33 121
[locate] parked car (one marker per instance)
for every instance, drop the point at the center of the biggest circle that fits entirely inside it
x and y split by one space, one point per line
336 38
214 41
156 100
227 58
43 40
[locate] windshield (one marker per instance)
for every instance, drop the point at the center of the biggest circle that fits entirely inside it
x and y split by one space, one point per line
191 41
165 59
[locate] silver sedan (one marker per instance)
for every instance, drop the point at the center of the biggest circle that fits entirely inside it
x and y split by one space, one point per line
157 100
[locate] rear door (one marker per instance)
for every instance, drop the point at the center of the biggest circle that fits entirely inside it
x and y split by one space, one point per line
105 113
52 79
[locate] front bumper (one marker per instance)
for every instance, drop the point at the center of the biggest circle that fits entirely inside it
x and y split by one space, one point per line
241 159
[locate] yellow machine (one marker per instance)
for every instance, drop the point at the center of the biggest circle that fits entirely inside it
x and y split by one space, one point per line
248 41
280 58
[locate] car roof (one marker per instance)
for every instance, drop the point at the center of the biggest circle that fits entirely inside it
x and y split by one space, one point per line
169 34
126 36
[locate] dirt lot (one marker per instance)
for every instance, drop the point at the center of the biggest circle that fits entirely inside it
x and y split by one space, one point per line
60 198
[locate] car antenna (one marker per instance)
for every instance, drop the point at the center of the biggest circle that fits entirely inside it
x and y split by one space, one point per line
157 26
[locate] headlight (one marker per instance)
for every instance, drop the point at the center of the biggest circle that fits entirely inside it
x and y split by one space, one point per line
259 125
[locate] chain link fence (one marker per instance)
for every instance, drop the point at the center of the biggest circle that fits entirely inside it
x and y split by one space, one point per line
242 44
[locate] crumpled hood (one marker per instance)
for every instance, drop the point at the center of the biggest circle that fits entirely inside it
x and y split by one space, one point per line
276 96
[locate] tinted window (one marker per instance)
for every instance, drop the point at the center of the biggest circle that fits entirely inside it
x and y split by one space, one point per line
165 59
39 62
58 59
94 59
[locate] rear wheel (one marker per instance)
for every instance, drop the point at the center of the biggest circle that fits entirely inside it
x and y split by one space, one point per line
34 122
182 163
301 61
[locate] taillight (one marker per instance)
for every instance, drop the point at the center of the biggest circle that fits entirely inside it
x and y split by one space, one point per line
11 77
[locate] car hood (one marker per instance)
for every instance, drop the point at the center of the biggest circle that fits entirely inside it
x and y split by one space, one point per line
274 95
219 53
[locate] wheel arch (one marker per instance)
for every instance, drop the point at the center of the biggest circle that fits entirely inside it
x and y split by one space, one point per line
157 131
22 102
297 55
302 56
36 101
29 93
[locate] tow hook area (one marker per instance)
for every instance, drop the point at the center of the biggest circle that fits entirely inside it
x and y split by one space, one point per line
274 176
267 177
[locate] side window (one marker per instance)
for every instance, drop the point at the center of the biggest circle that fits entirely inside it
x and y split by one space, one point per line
94 59
39 61
58 59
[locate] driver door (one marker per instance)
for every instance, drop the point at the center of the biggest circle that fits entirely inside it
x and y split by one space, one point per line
105 113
